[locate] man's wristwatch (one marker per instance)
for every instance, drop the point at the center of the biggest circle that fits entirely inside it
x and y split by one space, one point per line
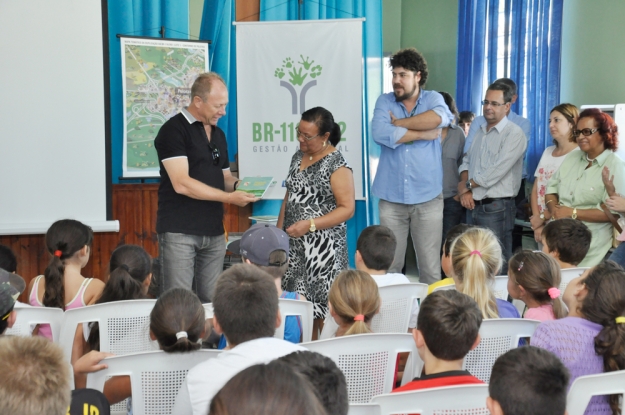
574 215
312 225
468 185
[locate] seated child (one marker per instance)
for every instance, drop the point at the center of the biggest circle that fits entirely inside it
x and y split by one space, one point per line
8 296
246 310
528 380
590 339
567 241
451 236
267 247
375 251
326 378
447 329
476 258
353 301
130 275
62 285
534 278
8 262
271 389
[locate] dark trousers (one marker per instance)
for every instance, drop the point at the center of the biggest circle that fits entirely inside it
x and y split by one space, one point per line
453 214
498 216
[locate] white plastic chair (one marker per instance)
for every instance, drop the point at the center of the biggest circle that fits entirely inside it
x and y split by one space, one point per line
28 317
364 409
569 274
498 335
124 326
369 361
500 287
297 308
155 377
456 400
585 387
208 310
397 302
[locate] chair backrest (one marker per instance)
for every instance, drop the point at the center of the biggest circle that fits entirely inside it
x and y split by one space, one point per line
28 317
364 409
585 387
500 287
208 310
569 274
124 326
296 308
155 377
397 304
498 335
456 400
369 361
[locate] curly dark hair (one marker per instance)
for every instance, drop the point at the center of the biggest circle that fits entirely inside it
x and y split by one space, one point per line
412 60
608 130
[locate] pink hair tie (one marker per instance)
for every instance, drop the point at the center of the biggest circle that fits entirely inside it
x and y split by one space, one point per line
553 293
476 253
359 317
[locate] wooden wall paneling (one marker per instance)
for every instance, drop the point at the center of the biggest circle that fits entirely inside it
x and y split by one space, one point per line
149 209
248 10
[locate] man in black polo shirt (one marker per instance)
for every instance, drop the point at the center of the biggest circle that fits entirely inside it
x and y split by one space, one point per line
195 182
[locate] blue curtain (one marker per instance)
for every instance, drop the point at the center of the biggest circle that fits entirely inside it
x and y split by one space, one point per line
136 18
366 211
217 27
531 35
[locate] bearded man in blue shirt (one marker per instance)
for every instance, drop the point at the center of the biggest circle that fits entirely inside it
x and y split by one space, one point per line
409 179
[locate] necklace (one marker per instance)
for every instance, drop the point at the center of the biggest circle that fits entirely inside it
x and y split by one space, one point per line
589 159
320 151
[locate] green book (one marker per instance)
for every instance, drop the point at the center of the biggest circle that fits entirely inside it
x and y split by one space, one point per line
255 185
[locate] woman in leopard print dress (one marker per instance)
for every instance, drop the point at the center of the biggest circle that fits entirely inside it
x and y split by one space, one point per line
319 199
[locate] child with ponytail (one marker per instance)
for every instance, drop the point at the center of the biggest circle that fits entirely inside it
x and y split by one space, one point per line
129 279
591 339
177 323
353 301
62 285
476 258
534 278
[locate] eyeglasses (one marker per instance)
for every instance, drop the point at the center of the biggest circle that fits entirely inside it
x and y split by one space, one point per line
492 103
214 153
305 137
585 132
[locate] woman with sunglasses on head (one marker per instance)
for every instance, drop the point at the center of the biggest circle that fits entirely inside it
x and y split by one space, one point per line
577 190
562 121
320 198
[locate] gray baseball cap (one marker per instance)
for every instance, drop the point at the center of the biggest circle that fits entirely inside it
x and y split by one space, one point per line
11 286
259 241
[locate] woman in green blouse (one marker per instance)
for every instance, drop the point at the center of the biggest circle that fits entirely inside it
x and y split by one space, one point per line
576 189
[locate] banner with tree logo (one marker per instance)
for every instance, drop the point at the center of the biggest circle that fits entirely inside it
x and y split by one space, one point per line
285 68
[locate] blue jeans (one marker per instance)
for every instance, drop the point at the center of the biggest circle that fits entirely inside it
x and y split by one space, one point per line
191 262
618 255
453 214
425 223
498 216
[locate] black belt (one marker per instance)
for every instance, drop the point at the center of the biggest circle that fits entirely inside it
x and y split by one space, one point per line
490 200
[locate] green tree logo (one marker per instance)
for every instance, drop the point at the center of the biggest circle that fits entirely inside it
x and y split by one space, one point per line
298 72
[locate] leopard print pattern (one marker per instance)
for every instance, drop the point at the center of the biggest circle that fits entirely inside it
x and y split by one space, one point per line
316 258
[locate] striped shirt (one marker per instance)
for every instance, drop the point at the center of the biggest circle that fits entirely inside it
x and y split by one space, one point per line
495 160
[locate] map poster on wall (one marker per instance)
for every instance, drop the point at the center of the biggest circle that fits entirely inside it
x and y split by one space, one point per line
157 79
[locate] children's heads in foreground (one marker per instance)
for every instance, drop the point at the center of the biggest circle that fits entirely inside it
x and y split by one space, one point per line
375 248
245 304
272 389
66 240
451 236
11 286
476 259
528 380
448 325
324 375
567 240
130 275
354 299
535 277
265 246
35 377
177 321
